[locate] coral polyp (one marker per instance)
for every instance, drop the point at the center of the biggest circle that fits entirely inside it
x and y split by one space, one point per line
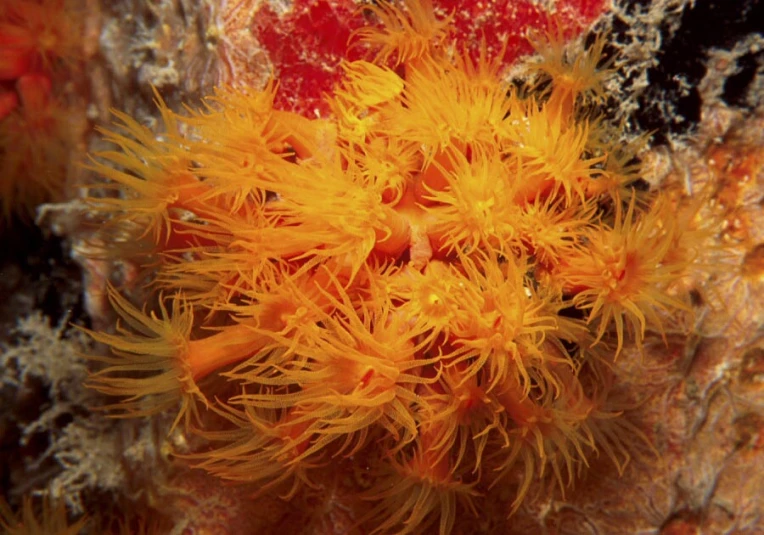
434 281
41 53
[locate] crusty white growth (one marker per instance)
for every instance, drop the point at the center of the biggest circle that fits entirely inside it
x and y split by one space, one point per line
81 455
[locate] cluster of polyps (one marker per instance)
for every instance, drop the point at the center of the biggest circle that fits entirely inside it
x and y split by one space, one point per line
430 280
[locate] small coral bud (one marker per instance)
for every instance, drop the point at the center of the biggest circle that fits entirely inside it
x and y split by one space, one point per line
369 85
406 35
573 77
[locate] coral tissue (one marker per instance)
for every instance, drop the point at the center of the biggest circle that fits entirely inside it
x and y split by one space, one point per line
432 284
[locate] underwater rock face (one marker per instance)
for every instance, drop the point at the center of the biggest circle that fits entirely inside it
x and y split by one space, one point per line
695 397
706 34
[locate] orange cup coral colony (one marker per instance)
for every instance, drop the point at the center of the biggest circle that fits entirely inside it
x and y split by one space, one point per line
437 279
40 45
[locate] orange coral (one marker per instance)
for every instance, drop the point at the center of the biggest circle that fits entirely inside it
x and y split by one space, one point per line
426 282
35 34
623 272
404 35
52 519
40 46
34 148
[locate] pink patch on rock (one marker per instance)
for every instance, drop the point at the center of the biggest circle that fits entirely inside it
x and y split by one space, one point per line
498 21
307 43
306 46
